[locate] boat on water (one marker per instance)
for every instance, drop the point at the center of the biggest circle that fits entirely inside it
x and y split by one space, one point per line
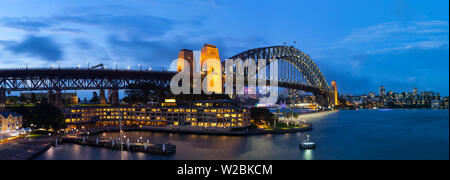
307 144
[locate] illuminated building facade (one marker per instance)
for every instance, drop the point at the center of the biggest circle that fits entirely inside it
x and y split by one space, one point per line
211 60
335 93
197 114
10 121
188 55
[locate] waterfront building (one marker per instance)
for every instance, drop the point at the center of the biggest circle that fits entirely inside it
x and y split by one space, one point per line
67 98
436 104
445 102
371 95
10 121
205 114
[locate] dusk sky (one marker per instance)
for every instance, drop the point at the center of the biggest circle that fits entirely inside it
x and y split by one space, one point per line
361 44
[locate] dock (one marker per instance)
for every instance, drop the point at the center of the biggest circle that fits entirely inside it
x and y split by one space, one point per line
162 149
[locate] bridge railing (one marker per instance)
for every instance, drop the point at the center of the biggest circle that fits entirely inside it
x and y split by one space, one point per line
79 69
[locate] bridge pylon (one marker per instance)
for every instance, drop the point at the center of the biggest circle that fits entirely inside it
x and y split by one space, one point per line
114 96
102 97
58 98
51 97
2 99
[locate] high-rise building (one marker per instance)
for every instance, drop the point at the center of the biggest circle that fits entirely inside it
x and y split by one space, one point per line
415 92
382 91
371 95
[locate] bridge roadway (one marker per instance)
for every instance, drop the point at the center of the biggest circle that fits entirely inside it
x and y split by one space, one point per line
75 79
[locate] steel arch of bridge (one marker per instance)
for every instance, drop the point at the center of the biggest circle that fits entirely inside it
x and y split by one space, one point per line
300 60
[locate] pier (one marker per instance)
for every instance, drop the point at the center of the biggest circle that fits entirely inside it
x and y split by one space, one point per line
162 149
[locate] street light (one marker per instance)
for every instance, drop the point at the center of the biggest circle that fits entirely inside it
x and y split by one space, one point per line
115 64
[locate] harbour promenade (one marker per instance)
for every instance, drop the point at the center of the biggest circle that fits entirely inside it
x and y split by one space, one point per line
24 149
118 144
29 148
201 131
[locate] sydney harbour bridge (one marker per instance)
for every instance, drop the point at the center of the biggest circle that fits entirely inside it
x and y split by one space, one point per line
296 71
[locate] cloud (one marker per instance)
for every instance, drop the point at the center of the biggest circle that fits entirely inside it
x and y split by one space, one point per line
143 25
35 46
25 23
396 36
347 82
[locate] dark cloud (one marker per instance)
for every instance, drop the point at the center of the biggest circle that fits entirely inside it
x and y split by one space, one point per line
136 24
155 53
142 25
35 46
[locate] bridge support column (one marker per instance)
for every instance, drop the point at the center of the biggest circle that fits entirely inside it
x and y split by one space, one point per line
51 97
58 98
2 100
102 97
114 96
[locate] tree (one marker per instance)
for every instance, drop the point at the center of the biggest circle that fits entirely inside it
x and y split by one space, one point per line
33 98
95 98
47 116
261 115
144 92
42 115
22 99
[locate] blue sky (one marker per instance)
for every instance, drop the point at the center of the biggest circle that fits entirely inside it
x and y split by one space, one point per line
361 44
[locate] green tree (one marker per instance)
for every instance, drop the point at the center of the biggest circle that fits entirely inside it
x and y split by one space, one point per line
261 115
95 98
33 98
144 92
42 115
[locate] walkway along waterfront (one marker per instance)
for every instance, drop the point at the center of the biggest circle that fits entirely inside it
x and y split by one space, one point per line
28 149
164 149
25 149
199 131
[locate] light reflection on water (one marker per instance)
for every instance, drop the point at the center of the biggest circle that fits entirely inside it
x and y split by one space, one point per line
308 154
363 134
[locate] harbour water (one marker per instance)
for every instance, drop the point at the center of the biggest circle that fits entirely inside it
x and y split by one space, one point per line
348 135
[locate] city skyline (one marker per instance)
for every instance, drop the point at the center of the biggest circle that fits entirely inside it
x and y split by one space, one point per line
398 44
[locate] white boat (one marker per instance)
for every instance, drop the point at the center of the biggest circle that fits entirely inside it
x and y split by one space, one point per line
307 144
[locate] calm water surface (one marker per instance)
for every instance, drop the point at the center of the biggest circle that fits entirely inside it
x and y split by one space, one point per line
364 134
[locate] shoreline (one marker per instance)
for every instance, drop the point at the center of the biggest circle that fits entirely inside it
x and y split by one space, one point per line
250 132
25 149
50 142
